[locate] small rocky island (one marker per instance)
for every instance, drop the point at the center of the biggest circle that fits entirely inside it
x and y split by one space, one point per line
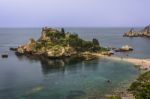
124 48
56 43
143 33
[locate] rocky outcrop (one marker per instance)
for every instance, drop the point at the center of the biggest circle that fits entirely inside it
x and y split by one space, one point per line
143 33
124 48
63 51
108 53
55 43
55 52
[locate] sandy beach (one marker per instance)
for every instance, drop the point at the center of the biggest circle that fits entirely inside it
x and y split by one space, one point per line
143 63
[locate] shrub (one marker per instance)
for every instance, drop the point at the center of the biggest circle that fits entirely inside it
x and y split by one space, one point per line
96 42
63 32
141 87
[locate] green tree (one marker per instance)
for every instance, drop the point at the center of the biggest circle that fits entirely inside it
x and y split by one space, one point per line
95 42
63 31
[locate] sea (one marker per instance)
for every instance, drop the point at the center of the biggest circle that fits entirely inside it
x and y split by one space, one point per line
29 78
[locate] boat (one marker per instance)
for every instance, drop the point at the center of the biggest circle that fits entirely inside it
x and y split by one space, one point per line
4 55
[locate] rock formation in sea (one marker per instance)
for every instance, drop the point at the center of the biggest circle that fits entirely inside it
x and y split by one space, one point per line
143 33
124 48
56 43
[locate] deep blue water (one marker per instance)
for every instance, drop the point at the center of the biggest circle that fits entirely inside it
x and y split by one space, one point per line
29 78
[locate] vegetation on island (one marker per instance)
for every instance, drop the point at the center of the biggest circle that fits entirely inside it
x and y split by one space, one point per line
57 43
141 87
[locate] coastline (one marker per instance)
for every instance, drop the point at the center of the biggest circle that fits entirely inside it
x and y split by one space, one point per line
142 63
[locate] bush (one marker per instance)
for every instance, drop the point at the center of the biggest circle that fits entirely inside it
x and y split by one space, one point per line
95 42
63 32
141 87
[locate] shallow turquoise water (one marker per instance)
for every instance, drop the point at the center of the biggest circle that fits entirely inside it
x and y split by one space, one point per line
28 78
24 78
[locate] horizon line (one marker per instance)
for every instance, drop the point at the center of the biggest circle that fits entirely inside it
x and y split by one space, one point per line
77 26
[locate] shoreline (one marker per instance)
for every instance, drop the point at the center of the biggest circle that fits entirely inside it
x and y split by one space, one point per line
142 63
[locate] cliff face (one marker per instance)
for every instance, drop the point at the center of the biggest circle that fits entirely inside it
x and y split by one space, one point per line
143 33
58 43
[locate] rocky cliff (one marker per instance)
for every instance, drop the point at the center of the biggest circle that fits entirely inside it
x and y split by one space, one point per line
143 33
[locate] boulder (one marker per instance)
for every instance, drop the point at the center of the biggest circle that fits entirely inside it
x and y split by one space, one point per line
124 48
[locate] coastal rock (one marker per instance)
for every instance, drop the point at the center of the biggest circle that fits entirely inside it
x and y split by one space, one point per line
108 53
62 51
124 48
143 33
13 49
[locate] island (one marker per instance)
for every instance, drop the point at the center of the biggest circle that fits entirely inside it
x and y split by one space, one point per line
56 43
143 33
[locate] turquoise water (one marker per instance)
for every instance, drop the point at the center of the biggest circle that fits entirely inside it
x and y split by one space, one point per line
30 78
23 78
